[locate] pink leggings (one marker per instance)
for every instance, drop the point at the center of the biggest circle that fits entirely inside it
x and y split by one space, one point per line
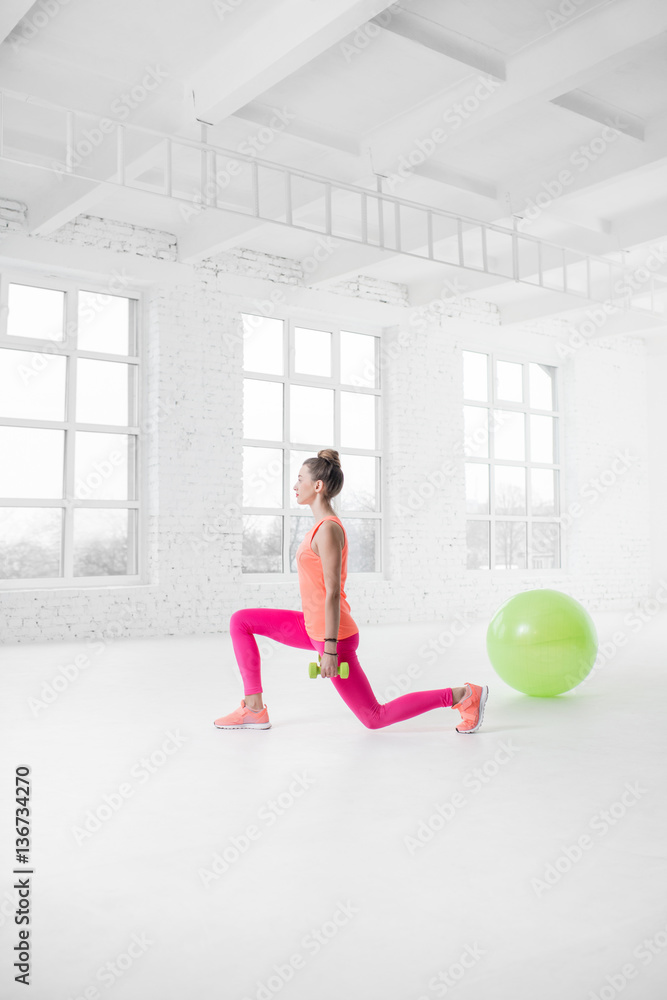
288 627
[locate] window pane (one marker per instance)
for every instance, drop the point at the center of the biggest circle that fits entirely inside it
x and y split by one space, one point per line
542 431
101 542
311 415
357 420
476 431
35 312
32 385
262 477
475 380
477 535
509 435
297 458
262 409
545 547
104 323
262 543
477 488
542 386
32 462
262 345
358 365
312 352
362 544
509 381
358 491
544 491
102 392
510 545
30 542
510 489
298 527
101 466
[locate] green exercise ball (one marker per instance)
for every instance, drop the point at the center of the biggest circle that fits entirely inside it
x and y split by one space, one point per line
542 642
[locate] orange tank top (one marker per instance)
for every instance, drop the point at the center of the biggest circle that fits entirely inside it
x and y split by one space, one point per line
313 590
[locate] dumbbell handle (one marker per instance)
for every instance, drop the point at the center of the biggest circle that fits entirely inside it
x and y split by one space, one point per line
343 670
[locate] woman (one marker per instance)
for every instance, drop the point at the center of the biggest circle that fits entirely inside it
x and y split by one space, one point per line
322 568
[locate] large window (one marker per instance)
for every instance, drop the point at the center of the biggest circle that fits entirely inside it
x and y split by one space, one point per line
512 468
308 386
69 399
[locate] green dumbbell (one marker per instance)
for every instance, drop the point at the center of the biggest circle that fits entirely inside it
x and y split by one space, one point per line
314 669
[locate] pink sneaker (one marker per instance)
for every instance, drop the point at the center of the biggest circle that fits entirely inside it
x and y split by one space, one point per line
472 708
244 718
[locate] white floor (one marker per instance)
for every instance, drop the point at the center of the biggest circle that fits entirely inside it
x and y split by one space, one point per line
285 862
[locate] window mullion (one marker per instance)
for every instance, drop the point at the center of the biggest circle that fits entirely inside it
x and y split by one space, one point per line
4 306
288 358
71 340
492 453
526 407
337 400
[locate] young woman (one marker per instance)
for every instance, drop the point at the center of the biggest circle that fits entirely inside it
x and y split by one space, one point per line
326 625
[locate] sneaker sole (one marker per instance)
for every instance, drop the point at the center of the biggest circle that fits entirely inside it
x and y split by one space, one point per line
482 702
246 725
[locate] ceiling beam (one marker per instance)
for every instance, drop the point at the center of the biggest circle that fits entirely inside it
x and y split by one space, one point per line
11 12
30 251
458 180
205 237
641 225
431 35
214 231
557 304
341 263
587 48
309 131
345 261
256 58
288 35
586 234
602 112
69 196
166 108
453 283
211 232
585 169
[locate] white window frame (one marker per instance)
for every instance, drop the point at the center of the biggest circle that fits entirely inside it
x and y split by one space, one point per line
492 403
67 347
293 319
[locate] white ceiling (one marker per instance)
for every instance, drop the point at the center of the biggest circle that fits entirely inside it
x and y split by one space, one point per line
360 86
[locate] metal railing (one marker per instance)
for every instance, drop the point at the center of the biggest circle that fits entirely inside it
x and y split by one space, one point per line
132 156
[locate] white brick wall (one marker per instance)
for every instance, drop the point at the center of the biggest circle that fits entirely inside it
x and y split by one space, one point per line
12 216
107 234
193 443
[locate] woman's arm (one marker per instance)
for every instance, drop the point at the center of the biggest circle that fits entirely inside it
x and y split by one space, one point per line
330 541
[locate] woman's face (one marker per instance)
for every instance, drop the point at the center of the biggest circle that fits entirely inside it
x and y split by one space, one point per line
304 488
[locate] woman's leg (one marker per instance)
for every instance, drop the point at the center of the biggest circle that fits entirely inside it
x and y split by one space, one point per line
358 695
283 626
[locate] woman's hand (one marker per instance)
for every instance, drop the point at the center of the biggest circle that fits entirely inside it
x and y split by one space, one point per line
329 665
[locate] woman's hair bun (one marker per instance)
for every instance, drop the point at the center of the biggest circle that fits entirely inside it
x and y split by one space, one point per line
331 455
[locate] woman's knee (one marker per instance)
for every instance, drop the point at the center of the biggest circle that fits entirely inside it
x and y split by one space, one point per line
372 719
237 619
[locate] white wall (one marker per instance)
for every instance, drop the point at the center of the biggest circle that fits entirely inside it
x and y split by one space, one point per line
194 456
657 442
